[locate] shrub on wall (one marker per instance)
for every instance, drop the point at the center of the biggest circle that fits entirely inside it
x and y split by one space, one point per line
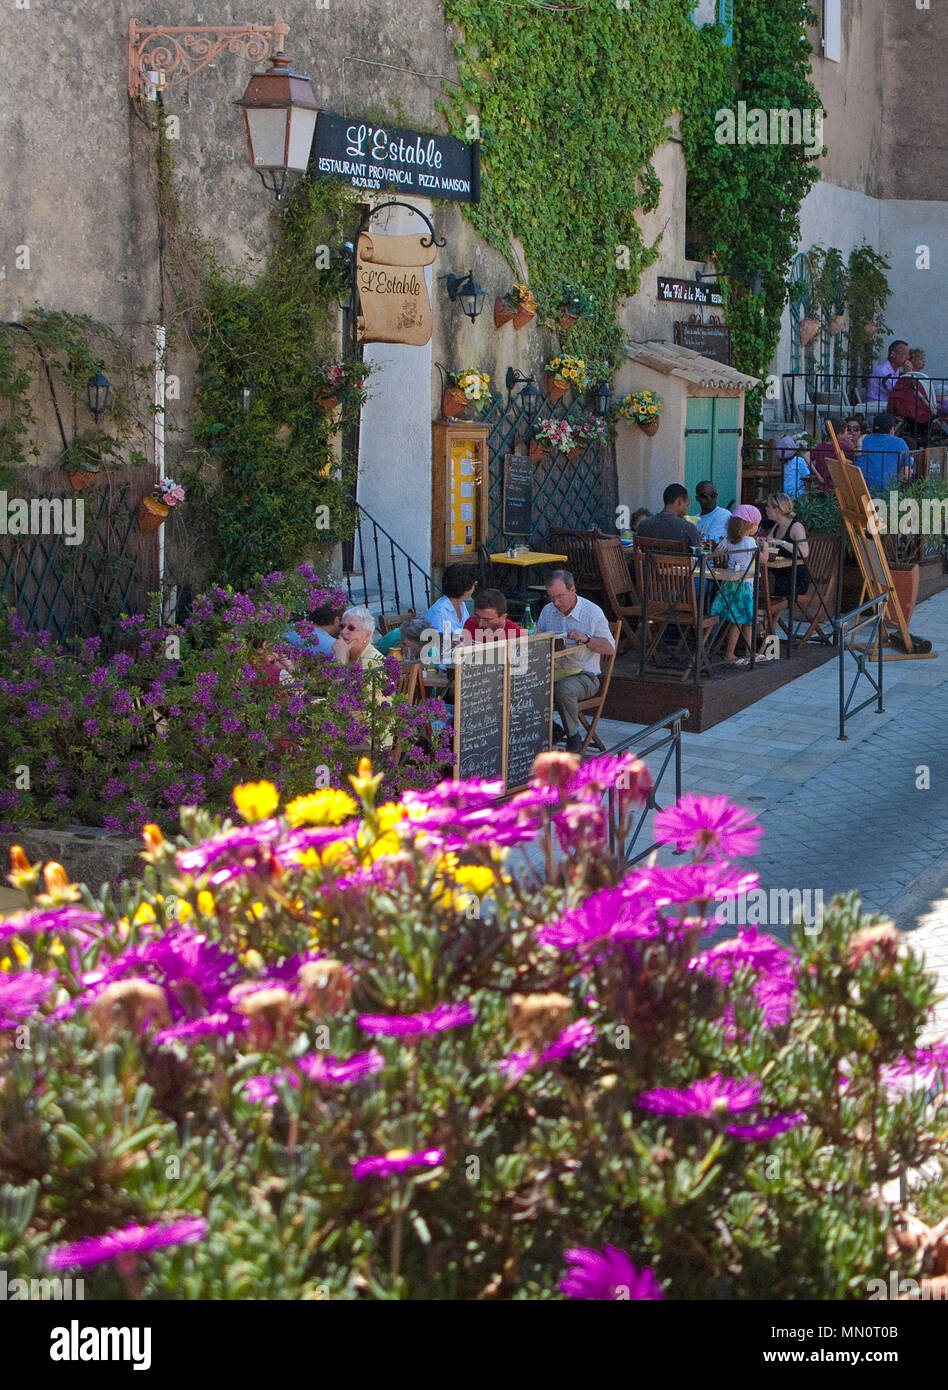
391 1060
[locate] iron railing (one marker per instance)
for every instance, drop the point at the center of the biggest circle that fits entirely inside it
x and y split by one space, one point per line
398 577
846 626
808 397
662 737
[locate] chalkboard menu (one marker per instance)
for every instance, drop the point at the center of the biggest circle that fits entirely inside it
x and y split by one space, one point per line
711 339
480 709
518 495
531 707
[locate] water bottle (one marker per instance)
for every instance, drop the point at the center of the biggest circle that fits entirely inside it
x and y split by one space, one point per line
528 623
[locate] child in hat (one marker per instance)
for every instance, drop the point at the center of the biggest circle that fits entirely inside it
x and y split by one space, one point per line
734 601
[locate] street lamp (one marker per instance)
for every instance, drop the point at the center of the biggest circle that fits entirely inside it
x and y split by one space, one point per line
466 290
279 117
98 388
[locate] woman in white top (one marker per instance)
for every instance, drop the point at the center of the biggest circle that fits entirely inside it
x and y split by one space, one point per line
449 611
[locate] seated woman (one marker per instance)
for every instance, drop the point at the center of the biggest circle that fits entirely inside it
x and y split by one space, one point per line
782 528
458 584
354 643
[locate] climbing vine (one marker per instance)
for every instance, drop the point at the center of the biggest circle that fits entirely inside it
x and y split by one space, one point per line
571 106
744 199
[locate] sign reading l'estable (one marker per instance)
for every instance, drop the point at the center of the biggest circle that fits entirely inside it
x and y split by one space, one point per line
393 293
687 292
388 158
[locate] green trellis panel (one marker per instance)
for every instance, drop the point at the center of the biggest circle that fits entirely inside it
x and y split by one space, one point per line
566 492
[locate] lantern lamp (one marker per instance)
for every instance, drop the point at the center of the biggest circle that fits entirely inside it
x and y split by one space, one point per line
466 290
279 117
98 388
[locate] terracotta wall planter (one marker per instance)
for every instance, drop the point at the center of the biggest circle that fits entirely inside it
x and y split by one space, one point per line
556 389
80 480
454 402
566 321
808 330
650 427
537 450
151 514
502 313
522 317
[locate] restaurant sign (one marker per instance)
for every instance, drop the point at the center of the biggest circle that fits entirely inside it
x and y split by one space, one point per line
393 293
687 292
390 159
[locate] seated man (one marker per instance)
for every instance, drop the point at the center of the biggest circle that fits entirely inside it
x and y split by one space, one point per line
327 622
577 678
670 524
882 453
883 377
490 622
847 434
712 523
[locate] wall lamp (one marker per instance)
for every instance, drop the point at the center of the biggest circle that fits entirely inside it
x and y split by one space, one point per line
528 395
465 290
603 394
98 389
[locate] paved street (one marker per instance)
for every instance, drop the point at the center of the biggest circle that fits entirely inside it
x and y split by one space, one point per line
847 815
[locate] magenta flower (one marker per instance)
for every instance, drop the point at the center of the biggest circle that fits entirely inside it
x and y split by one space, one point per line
610 915
218 1025
630 777
131 1240
775 988
412 1026
59 919
573 1037
231 847
703 1100
21 995
708 825
766 1129
609 1275
702 883
329 1071
928 1067
396 1161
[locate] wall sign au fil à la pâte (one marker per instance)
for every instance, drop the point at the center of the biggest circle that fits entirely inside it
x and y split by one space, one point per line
393 292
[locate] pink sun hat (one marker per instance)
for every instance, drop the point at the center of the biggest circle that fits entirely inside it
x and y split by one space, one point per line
747 513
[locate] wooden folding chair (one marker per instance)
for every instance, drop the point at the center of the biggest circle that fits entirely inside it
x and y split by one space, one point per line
645 545
817 606
580 558
617 585
673 601
388 622
590 711
411 682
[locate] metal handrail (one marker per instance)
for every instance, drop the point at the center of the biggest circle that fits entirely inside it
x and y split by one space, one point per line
664 734
411 565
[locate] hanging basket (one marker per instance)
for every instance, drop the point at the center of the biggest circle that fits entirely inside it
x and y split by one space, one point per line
502 313
556 387
454 402
648 427
151 514
870 329
836 325
575 452
522 317
80 480
809 328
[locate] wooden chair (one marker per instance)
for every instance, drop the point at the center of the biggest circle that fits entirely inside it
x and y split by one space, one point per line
818 604
618 590
388 622
580 558
411 682
590 711
646 545
669 581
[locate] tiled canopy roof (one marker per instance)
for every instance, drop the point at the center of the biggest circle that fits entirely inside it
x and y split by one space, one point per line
690 366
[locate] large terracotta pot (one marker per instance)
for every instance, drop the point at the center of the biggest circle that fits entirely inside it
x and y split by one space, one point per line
454 402
905 583
502 313
808 330
556 387
522 317
650 427
151 514
80 480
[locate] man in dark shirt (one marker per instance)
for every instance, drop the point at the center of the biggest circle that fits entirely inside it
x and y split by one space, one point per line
670 524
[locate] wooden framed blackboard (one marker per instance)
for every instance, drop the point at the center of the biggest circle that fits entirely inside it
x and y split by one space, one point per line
518 495
711 338
529 722
480 714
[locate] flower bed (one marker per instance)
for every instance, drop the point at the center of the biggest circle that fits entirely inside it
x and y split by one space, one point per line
355 1050
182 714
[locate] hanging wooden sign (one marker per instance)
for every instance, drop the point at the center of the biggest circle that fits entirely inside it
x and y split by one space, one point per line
393 293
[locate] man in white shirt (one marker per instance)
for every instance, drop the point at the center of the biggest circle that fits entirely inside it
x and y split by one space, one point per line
584 624
712 523
882 377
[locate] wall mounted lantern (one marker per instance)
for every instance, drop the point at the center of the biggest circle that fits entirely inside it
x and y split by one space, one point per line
603 398
465 290
98 388
528 395
280 117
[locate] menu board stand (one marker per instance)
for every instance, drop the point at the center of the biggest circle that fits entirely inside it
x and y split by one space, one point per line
503 710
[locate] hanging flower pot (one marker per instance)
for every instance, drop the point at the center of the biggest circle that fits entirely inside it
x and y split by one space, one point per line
567 320
537 450
648 427
328 403
454 402
809 328
870 329
836 325
80 480
522 316
556 387
151 514
502 313
575 451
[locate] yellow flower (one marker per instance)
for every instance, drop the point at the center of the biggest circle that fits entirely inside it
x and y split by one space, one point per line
478 879
252 960
20 951
144 913
56 948
183 910
364 782
206 902
329 807
256 800
22 872
387 841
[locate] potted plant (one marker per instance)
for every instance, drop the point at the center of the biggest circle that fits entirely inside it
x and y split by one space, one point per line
644 407
564 372
83 458
829 282
904 554
517 304
327 396
552 436
575 303
590 428
155 506
467 386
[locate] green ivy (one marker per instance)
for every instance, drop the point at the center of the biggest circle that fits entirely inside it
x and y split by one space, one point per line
744 200
571 107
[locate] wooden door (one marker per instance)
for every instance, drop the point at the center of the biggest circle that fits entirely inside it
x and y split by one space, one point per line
726 449
699 423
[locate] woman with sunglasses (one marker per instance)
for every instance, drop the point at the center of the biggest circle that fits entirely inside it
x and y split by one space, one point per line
354 644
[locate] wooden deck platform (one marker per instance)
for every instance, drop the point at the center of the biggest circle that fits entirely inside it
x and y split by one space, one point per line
643 701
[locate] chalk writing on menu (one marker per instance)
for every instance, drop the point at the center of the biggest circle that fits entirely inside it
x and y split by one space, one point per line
480 698
529 727
518 495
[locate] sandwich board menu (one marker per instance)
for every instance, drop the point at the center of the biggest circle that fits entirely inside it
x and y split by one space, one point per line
503 708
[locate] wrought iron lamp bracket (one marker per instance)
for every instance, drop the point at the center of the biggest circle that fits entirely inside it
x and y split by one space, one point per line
178 52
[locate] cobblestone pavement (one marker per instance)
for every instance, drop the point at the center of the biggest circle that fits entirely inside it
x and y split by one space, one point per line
843 815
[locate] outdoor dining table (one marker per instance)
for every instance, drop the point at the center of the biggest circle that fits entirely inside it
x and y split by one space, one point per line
523 562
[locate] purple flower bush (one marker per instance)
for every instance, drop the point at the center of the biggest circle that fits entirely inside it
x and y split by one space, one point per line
181 715
454 1047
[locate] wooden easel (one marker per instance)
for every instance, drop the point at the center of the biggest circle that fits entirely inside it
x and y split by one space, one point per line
856 507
